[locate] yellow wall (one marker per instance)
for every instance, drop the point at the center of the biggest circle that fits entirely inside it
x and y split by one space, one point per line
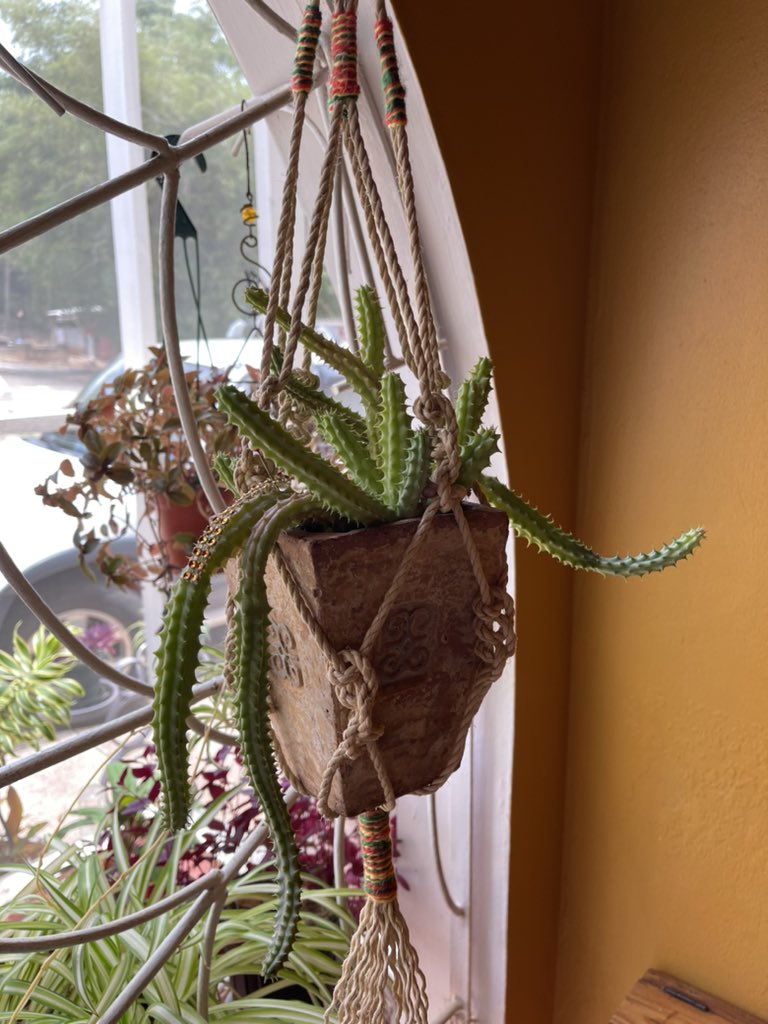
664 856
666 848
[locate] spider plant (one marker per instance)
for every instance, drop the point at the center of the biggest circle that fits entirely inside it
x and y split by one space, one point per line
379 470
84 887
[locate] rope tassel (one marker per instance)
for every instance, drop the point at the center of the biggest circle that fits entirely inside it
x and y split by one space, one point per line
381 981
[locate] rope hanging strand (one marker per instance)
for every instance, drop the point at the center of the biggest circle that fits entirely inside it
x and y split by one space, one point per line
302 81
381 979
432 379
343 90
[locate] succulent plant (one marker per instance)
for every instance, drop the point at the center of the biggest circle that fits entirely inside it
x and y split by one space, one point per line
379 469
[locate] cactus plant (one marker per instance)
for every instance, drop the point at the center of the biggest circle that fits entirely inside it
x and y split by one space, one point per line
379 470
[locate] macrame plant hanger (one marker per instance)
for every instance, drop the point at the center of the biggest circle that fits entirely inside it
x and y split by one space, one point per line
381 980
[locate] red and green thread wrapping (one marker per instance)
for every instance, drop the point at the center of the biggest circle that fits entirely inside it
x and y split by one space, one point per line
394 92
343 83
306 48
379 878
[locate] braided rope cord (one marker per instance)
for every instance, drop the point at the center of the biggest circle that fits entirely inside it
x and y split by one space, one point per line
381 979
301 86
385 253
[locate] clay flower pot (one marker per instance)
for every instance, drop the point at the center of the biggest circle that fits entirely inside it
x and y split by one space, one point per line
424 658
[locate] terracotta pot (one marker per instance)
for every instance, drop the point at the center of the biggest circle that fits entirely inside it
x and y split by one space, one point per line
424 658
180 519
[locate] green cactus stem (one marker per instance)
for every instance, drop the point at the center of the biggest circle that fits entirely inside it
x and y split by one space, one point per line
371 330
472 398
178 652
394 436
418 463
475 455
352 448
333 488
538 529
250 672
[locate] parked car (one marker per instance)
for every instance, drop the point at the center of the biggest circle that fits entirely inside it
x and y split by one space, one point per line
40 538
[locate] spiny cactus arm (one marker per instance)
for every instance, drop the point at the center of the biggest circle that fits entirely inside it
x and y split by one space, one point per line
394 436
371 330
340 359
312 400
352 448
329 485
177 659
178 651
475 455
250 664
537 529
223 467
418 463
472 399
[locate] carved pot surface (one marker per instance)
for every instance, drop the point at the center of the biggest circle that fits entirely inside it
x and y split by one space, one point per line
424 657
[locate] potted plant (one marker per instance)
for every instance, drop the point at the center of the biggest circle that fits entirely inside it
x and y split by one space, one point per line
133 444
77 890
342 528
36 697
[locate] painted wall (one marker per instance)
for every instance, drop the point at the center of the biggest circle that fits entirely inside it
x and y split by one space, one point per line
665 859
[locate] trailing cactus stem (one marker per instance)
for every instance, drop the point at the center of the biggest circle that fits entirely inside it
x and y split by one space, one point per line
395 435
330 486
178 652
472 399
250 663
537 529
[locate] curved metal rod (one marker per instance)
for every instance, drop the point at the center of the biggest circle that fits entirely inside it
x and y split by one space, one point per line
453 906
253 841
62 940
171 339
206 954
339 851
72 745
273 18
157 959
50 620
23 75
445 1015
342 261
260 107
66 104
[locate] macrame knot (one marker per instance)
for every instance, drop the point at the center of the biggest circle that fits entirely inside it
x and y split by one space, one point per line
433 409
268 388
495 638
356 688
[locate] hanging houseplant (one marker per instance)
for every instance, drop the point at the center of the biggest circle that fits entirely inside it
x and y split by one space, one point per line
368 605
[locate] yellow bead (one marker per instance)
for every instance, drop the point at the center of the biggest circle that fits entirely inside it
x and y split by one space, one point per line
248 214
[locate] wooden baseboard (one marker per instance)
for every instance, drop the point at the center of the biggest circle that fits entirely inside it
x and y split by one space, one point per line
659 998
